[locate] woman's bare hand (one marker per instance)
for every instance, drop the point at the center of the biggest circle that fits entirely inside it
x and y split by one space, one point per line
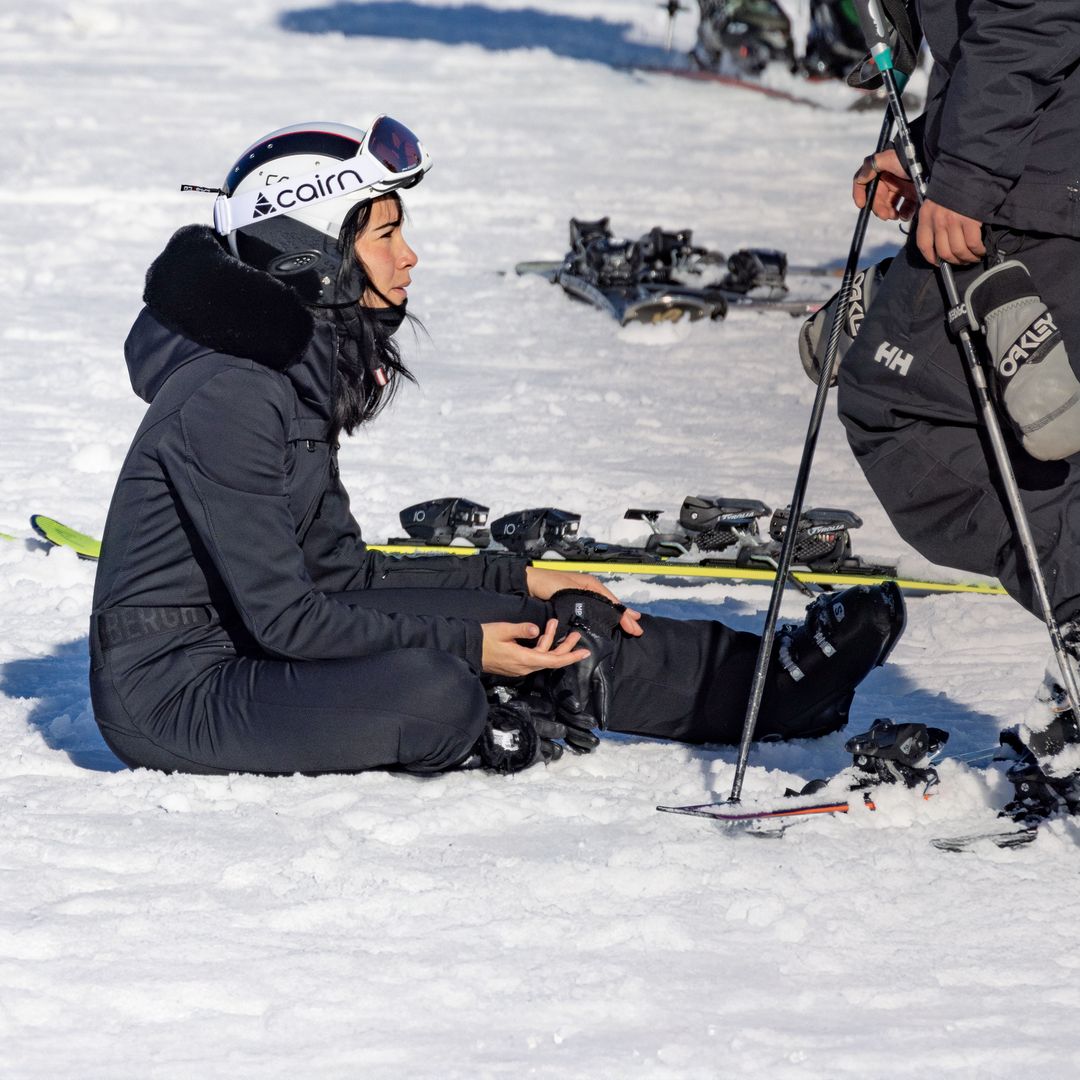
942 234
894 198
504 655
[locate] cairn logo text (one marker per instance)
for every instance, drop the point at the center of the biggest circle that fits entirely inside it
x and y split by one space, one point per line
311 190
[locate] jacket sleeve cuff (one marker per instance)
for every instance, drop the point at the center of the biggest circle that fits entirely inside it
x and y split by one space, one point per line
506 575
966 188
474 646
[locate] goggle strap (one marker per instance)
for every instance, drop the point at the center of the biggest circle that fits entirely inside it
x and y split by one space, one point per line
341 178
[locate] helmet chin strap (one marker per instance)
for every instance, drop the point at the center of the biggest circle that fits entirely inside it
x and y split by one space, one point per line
351 301
369 287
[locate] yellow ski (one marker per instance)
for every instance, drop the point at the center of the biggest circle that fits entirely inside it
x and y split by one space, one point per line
87 547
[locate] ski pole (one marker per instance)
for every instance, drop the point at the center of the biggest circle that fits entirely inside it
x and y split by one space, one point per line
673 7
787 548
875 31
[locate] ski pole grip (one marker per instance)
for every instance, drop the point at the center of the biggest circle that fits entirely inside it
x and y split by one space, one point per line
875 30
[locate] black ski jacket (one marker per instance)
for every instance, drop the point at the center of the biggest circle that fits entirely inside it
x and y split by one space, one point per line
230 498
1001 129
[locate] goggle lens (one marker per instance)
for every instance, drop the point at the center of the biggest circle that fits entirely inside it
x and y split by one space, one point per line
394 145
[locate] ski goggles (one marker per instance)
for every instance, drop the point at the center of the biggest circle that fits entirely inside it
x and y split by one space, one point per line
390 157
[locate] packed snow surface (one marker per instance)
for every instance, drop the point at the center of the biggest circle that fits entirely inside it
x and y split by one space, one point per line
551 924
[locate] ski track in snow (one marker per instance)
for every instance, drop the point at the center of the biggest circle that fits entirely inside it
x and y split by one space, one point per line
551 924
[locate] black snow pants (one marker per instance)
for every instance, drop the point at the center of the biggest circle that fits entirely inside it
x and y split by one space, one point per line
196 707
914 427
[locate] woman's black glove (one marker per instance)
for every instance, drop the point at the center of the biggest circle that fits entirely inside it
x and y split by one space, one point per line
582 692
523 731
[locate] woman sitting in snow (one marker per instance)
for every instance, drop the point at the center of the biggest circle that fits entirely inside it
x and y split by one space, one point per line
240 624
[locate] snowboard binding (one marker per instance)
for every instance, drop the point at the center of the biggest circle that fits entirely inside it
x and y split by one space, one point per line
763 270
663 275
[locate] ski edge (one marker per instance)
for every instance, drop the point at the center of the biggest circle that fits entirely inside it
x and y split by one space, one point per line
717 812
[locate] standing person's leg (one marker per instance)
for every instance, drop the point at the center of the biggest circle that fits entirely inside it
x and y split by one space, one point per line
905 400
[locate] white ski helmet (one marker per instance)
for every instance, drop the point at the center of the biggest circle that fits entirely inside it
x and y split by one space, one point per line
285 200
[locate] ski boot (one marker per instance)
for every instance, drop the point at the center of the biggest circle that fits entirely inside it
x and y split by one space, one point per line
1046 778
816 666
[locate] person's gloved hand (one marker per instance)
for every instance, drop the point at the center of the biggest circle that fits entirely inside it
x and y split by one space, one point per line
1032 374
815 332
524 732
577 734
583 691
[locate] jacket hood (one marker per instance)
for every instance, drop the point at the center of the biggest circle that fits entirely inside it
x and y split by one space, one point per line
200 299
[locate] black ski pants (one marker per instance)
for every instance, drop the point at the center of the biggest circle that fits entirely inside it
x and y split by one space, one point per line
913 424
421 709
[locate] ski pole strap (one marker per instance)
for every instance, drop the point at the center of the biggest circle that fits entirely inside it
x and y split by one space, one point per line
957 319
120 625
881 33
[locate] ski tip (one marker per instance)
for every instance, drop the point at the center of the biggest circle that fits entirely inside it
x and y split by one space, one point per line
1002 838
60 535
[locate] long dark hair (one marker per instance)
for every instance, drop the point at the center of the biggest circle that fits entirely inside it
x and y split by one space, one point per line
366 341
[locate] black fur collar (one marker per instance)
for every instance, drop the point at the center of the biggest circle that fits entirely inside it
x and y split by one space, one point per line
196 288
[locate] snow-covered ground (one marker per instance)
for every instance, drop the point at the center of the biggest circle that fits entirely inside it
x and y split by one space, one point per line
551 924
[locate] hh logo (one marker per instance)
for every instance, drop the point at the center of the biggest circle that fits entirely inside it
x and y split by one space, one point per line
893 357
